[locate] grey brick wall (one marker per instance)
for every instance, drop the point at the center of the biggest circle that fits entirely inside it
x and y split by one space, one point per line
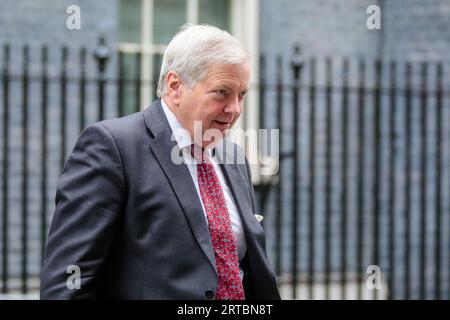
416 30
321 27
44 21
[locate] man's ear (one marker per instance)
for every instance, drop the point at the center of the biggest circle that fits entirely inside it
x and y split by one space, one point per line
173 83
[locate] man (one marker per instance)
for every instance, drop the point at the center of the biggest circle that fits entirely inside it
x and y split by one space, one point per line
132 221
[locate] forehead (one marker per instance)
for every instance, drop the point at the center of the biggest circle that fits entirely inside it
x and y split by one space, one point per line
229 74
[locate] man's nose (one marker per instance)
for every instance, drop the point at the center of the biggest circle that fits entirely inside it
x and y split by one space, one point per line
234 106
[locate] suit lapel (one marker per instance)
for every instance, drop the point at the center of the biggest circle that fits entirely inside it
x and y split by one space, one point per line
227 157
179 177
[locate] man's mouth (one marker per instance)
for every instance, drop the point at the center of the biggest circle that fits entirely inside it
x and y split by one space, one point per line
222 122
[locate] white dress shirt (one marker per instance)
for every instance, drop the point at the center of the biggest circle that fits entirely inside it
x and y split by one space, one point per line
184 141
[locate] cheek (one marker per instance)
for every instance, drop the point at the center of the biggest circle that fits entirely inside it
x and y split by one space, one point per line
211 111
208 120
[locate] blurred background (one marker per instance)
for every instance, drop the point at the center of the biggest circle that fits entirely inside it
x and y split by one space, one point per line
359 205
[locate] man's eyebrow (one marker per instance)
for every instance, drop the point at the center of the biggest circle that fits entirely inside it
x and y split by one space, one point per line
222 85
229 88
244 91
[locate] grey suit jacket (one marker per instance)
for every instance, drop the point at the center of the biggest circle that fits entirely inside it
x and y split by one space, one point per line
132 221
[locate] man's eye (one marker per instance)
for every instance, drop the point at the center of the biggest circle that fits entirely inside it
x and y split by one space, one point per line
242 95
221 93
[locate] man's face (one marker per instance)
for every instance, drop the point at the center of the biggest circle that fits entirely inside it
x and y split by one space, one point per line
216 101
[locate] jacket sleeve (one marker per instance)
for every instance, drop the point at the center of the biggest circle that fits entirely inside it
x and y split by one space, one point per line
89 200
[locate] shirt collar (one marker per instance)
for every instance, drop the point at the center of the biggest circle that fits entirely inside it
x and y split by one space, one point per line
181 135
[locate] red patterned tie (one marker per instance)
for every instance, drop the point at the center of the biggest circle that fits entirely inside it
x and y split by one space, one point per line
224 244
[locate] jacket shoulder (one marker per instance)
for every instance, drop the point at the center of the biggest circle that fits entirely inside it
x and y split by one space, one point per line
123 124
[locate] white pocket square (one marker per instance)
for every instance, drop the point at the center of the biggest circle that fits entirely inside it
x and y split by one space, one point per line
259 217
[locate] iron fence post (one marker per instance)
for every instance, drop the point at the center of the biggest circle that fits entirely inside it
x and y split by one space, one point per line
101 55
296 65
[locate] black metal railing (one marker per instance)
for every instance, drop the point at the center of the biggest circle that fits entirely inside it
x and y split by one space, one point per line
363 178
366 168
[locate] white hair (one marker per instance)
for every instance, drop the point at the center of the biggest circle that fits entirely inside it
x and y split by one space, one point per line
193 49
